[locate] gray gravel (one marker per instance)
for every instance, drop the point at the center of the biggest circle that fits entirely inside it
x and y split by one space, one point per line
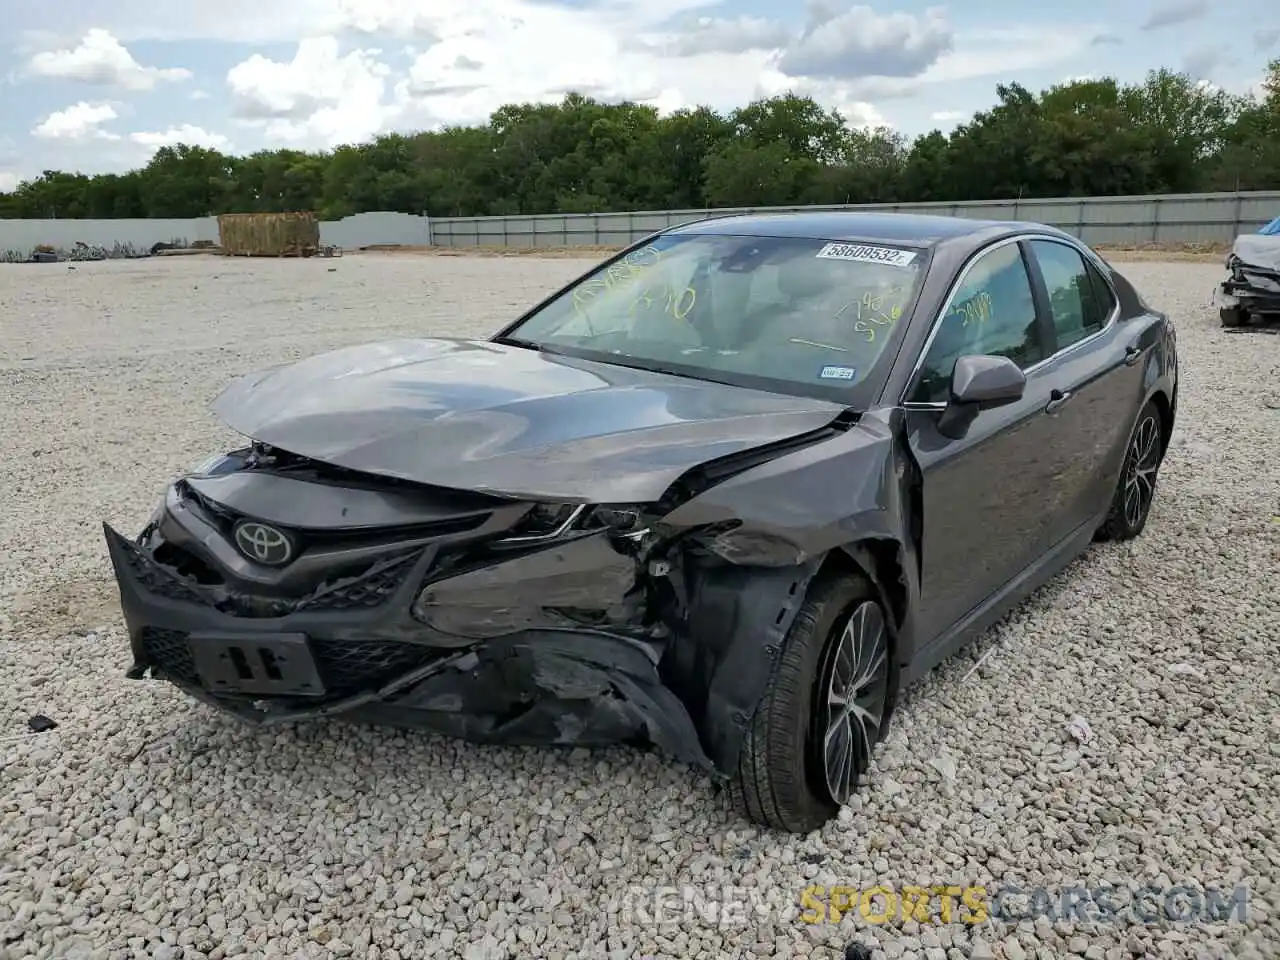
146 825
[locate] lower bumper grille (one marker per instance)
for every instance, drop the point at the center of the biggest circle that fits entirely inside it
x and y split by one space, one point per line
346 666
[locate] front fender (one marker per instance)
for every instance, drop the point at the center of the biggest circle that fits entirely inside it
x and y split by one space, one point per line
755 542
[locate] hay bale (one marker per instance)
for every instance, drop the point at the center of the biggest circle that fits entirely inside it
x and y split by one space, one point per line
269 234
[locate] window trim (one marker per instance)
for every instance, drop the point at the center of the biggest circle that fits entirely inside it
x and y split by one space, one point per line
1029 262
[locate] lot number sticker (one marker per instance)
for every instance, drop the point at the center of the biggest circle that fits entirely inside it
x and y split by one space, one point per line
863 253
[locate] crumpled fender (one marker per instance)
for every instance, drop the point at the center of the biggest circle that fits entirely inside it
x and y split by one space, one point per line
849 499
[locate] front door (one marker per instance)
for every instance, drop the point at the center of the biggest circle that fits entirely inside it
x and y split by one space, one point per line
984 514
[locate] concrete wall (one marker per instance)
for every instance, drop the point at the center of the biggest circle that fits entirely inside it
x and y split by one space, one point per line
1176 218
123 237
20 237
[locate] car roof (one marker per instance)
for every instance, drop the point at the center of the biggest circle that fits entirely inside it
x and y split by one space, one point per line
909 229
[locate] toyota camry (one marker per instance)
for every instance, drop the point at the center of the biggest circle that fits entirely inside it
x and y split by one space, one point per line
727 494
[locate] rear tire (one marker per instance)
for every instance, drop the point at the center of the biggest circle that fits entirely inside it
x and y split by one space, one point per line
822 712
1136 489
1232 317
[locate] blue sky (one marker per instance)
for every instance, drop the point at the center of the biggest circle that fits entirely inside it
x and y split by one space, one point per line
96 86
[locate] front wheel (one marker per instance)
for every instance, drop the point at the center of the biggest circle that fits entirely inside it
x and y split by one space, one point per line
1131 503
823 711
1232 316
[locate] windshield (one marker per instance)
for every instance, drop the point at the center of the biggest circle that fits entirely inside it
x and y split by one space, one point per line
789 314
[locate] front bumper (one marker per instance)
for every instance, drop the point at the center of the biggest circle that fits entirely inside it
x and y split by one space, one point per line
1252 297
500 660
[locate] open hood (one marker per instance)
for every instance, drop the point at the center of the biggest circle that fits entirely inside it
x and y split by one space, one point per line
482 416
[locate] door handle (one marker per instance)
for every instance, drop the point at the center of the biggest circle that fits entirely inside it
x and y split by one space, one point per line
1057 400
1132 354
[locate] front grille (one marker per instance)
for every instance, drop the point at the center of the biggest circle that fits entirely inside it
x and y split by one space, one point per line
371 589
346 666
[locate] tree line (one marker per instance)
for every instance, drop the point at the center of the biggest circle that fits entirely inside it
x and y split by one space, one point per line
1165 134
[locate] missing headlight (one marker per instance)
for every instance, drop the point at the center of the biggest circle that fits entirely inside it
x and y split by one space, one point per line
544 522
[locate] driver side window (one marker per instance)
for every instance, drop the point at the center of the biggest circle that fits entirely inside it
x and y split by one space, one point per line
992 312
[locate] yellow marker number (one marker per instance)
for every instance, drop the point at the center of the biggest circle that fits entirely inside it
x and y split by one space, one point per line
974 311
678 305
878 311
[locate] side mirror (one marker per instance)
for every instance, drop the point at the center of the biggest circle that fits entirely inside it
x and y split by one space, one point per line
987 381
979 383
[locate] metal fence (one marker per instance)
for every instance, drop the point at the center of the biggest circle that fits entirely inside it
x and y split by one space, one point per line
1174 218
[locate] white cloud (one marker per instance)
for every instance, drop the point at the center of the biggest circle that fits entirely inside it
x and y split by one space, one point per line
186 133
999 52
101 59
8 181
200 95
319 97
717 35
948 116
470 57
80 121
862 43
231 21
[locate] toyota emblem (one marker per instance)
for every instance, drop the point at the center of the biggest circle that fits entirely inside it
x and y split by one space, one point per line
263 544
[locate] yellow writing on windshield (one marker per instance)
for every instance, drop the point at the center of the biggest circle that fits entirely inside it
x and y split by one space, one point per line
877 311
629 268
678 304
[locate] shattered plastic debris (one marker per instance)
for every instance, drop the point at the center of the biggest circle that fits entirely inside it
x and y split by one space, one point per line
1079 728
40 723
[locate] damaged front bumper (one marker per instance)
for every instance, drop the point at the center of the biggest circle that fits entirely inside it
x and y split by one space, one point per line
1255 290
550 645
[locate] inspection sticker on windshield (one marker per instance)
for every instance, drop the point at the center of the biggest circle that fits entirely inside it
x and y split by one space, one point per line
864 253
837 373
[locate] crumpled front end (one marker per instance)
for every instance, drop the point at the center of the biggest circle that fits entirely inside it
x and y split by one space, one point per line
1253 281
282 589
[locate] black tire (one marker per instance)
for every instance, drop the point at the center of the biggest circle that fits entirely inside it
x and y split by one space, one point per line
1232 317
781 779
1143 456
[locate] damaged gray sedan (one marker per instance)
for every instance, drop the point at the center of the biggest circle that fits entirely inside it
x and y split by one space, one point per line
726 494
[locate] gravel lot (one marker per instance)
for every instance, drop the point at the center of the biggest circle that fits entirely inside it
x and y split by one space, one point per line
146 825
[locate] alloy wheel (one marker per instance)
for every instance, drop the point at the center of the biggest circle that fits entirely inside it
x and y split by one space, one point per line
1140 474
856 687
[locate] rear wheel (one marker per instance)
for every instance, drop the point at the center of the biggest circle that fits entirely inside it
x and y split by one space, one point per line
823 711
1232 316
1136 490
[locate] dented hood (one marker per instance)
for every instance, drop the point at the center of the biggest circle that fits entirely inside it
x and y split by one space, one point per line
500 419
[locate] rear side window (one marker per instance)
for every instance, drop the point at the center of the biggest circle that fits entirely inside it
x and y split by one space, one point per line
1079 298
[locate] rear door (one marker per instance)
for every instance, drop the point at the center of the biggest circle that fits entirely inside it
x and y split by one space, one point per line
984 514
1096 362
